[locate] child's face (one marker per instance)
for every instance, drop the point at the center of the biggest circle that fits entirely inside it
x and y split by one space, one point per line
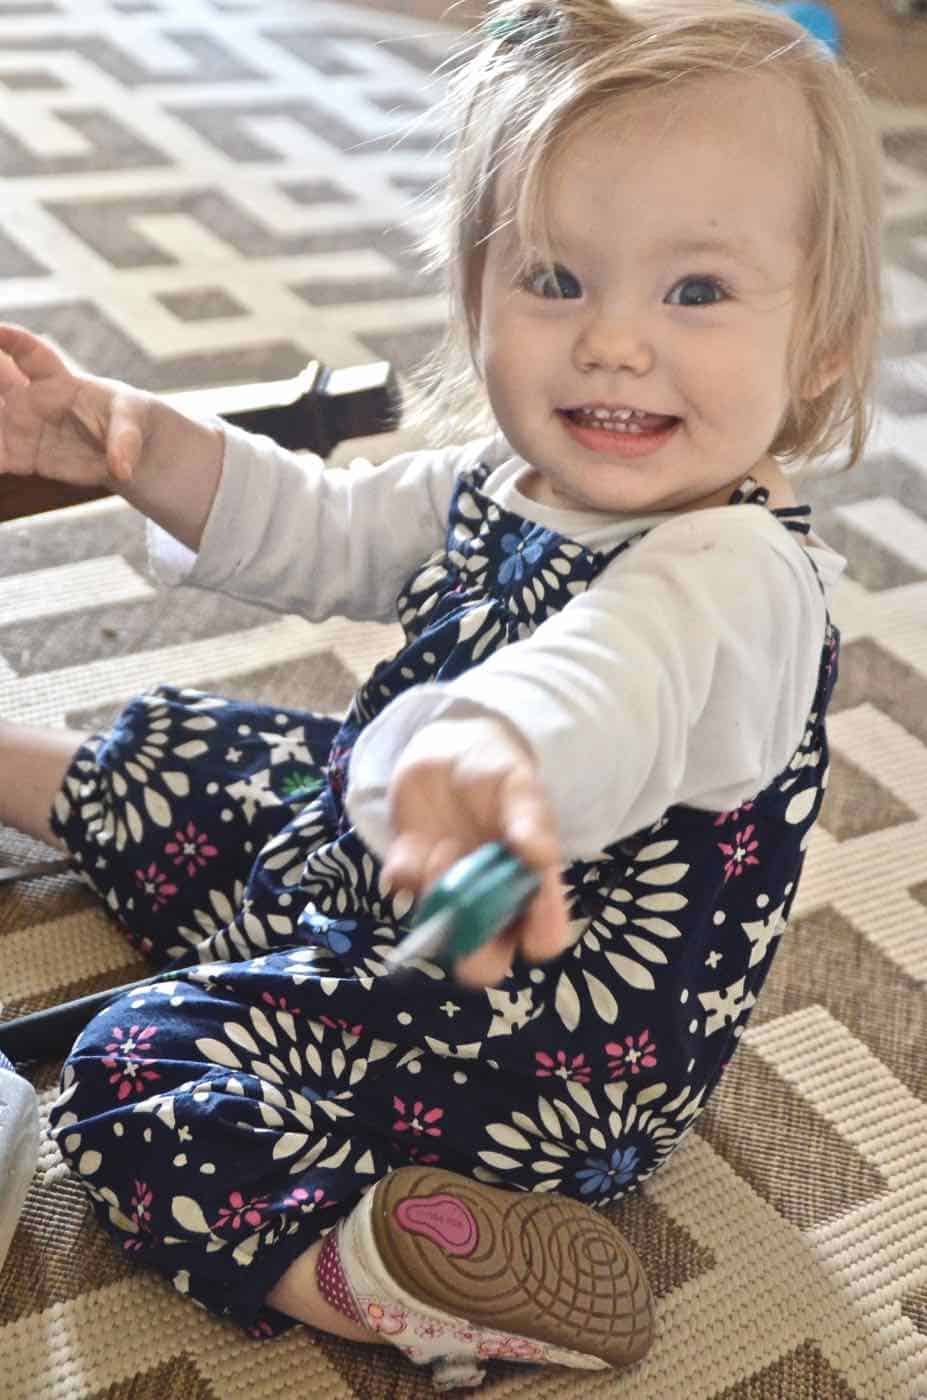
677 229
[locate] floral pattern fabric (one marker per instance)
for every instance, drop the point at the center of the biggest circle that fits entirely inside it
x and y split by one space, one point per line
226 1117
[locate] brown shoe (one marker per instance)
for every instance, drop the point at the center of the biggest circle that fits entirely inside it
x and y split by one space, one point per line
455 1273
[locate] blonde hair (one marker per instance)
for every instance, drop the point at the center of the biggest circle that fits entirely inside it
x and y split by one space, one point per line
535 73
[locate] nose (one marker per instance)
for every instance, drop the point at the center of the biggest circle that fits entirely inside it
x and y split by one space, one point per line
613 340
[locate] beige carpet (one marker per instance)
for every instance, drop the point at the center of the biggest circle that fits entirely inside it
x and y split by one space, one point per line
198 192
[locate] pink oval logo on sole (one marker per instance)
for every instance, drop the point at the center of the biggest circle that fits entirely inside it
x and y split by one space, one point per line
442 1219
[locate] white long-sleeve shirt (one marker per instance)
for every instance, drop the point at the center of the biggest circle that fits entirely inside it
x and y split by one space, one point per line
683 674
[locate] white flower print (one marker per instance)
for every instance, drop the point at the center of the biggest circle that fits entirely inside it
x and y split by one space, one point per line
276 1047
211 921
807 755
342 884
633 916
567 1150
252 791
141 788
511 1010
726 1007
285 854
761 933
288 747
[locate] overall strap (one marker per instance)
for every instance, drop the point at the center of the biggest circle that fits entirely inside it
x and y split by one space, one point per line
794 518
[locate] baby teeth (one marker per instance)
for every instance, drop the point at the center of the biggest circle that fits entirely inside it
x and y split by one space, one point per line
614 425
612 415
617 419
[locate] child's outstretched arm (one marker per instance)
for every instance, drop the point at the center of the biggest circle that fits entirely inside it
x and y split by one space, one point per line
462 782
685 675
87 431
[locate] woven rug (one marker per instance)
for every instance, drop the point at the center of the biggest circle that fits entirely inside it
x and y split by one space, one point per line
199 193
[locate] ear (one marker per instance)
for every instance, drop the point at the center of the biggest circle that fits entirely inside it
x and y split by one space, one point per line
827 371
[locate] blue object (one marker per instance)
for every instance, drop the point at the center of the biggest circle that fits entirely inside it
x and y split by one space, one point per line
818 20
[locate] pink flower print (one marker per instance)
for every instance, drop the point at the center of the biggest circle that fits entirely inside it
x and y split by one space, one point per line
733 815
307 1201
130 1069
740 853
515 1348
561 1067
140 1213
191 846
155 884
261 1329
240 1212
420 1121
388 1318
427 1159
340 1024
633 1054
140 1204
279 1004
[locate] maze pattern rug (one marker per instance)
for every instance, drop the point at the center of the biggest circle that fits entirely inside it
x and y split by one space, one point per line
198 193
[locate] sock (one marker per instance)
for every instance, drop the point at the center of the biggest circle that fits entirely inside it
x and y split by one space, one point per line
387 1318
333 1286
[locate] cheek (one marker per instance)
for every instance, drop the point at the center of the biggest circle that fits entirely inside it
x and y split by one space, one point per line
509 357
744 379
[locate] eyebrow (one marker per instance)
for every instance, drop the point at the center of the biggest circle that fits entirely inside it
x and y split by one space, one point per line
706 245
695 245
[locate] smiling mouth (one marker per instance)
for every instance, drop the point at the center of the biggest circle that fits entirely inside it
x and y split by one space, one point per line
634 422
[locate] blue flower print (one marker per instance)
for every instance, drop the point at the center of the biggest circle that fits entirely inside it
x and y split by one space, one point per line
601 1174
334 934
520 549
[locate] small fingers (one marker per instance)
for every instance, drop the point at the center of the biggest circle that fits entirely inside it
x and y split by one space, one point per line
416 860
542 933
545 927
489 965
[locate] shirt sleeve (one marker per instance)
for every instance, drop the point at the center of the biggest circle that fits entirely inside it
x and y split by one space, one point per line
685 674
295 535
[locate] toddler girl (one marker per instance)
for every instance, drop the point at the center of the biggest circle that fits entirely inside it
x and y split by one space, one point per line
661 236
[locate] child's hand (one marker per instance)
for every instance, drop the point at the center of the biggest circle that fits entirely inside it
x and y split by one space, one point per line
461 782
61 425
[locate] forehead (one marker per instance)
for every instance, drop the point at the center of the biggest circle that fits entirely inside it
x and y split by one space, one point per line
726 156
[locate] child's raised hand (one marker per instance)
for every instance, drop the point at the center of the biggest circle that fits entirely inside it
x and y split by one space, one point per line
459 783
62 425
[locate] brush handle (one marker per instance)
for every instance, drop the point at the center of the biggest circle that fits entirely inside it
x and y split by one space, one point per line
470 904
47 1034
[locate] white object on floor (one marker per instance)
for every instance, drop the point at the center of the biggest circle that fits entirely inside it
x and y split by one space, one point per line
19 1147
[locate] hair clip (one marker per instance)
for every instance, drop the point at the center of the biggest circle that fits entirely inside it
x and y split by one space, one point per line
533 23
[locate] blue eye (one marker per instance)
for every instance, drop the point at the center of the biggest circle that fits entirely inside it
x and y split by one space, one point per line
554 283
697 291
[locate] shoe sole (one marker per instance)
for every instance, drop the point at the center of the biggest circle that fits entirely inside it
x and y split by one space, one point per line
540 1266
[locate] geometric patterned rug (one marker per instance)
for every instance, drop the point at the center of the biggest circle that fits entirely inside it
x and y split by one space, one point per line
201 192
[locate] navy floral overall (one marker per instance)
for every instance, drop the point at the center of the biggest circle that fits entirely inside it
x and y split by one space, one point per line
227 1117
